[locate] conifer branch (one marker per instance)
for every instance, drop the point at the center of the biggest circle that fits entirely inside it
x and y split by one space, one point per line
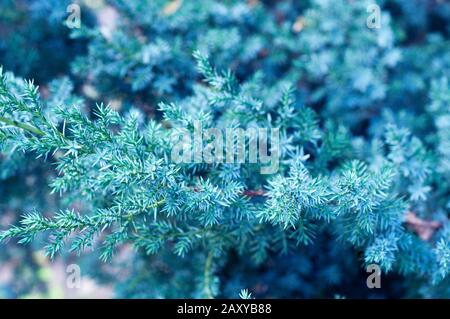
207 276
23 126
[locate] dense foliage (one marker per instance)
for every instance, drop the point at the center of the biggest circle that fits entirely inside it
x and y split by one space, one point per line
86 165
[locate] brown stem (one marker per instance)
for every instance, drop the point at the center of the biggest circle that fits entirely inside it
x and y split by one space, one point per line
424 229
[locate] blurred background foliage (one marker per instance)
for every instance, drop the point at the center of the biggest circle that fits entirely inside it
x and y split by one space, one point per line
137 53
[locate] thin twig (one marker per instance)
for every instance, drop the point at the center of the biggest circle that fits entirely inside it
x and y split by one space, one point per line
22 126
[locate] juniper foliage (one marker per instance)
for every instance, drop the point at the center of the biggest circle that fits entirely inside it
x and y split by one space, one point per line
363 116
